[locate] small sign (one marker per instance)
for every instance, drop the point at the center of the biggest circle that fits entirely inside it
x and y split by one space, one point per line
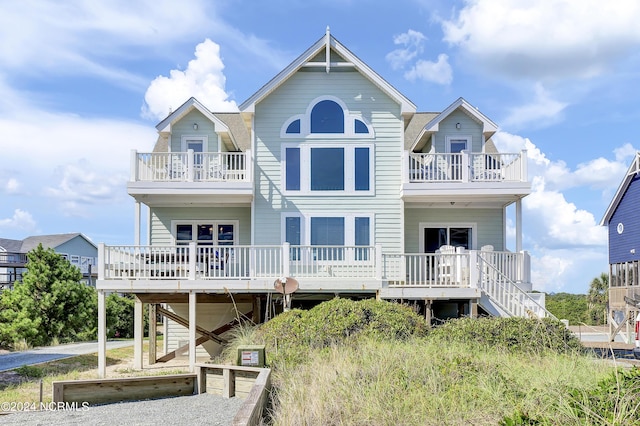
251 356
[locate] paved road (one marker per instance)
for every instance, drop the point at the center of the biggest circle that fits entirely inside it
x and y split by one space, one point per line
49 353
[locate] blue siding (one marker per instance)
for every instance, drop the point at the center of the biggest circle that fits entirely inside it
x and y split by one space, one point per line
627 213
78 246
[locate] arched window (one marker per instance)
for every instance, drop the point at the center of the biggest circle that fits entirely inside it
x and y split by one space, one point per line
327 117
294 127
360 127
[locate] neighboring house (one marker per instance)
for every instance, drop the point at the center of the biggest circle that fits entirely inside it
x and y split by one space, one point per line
76 248
330 176
622 220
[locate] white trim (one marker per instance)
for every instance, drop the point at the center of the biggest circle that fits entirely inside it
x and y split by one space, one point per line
349 226
406 106
349 168
448 225
349 123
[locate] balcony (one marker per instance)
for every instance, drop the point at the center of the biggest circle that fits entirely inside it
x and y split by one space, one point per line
317 268
192 177
465 177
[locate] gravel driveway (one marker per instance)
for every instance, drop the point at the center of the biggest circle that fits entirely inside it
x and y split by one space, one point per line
199 409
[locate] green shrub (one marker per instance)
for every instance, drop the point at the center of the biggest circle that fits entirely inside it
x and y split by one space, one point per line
30 371
289 335
514 334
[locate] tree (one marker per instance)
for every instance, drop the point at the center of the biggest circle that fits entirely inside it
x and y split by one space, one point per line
572 307
598 299
49 303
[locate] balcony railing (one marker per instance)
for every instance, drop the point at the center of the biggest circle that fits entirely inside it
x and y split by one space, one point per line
236 262
190 166
342 262
467 167
11 258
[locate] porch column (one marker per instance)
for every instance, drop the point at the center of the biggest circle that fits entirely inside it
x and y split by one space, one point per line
192 331
427 312
136 224
102 335
138 333
519 225
153 340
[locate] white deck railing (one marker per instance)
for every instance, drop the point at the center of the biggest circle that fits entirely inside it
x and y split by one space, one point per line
504 291
467 167
451 270
190 166
236 262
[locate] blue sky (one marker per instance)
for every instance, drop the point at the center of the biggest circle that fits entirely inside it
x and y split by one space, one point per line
84 82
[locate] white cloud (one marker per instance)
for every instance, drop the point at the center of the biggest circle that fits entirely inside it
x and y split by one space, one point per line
85 37
599 173
58 143
548 271
203 79
542 111
439 72
20 220
561 222
566 270
545 38
413 42
12 186
81 187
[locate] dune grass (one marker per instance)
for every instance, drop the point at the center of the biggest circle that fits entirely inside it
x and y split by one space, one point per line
418 382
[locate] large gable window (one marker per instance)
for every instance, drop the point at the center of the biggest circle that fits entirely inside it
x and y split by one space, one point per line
327 117
327 170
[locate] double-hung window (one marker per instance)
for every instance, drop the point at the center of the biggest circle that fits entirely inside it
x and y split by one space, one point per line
328 170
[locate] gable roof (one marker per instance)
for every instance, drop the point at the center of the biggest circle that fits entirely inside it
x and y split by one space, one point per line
52 241
227 124
633 170
327 44
47 241
12 246
190 104
488 126
415 128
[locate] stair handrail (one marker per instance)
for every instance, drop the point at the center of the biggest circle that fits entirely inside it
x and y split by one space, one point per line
501 283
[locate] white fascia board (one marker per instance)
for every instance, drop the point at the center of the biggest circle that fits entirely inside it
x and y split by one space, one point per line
406 106
192 103
488 126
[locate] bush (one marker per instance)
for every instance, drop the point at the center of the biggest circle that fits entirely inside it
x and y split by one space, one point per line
514 334
290 334
30 371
